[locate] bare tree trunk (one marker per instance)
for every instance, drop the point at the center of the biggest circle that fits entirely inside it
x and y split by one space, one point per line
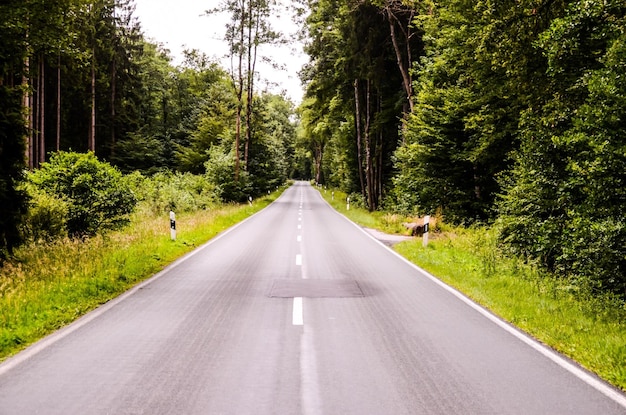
403 65
58 138
252 59
28 113
92 121
42 110
36 102
319 155
369 165
379 158
113 92
357 119
239 88
249 87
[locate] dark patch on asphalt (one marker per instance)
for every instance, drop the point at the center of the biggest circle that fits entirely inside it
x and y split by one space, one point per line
315 288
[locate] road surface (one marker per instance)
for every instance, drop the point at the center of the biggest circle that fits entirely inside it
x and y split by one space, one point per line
295 311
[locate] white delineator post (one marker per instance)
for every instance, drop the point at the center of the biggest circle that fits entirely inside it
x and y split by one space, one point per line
173 225
348 203
426 226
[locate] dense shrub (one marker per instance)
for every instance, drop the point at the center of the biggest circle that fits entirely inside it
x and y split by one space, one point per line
220 171
96 193
181 192
46 218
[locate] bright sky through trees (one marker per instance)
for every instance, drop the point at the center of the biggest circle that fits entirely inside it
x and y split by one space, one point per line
182 24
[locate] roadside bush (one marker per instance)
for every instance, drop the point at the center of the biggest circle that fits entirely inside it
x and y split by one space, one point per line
181 192
97 196
220 171
46 218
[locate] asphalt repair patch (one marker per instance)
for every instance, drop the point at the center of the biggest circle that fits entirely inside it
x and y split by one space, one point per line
313 288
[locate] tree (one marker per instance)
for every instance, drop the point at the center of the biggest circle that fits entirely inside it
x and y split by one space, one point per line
569 176
481 72
248 29
354 77
12 125
98 198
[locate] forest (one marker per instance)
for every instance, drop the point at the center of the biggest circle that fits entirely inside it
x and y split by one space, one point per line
507 114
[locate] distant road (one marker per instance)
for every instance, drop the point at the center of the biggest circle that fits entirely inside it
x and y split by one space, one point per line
296 311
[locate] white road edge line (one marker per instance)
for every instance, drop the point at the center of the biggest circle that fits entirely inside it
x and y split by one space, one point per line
297 318
49 340
581 373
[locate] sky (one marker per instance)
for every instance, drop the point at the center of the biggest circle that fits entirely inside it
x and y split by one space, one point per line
181 24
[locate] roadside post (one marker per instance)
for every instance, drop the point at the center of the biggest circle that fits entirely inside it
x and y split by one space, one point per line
173 225
426 226
348 203
333 195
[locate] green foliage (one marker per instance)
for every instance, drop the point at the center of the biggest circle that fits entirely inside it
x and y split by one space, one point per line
12 199
480 73
220 172
570 174
355 96
180 192
97 196
47 216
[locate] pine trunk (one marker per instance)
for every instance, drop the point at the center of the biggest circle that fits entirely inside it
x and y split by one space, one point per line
58 138
28 113
92 121
357 120
42 110
369 165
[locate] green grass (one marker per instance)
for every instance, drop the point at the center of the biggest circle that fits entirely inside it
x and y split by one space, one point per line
48 286
386 222
587 328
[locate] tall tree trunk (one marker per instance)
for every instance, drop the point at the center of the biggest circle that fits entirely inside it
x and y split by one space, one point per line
58 135
369 165
357 120
92 120
36 103
42 109
28 113
319 155
249 85
113 92
404 64
379 153
239 88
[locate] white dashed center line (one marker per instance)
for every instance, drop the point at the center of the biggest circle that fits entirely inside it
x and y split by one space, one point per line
298 317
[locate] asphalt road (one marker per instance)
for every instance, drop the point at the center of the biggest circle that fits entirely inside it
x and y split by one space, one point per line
296 311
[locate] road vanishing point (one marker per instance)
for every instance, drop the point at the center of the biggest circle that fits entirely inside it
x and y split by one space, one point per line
296 311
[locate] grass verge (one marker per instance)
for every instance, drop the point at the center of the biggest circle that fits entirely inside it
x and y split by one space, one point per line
589 329
50 285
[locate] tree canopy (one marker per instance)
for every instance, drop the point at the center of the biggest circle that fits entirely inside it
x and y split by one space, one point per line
508 113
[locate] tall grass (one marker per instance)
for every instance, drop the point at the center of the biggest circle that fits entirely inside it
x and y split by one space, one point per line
588 327
50 285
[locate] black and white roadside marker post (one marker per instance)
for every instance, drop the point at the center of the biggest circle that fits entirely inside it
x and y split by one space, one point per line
173 225
348 203
426 226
